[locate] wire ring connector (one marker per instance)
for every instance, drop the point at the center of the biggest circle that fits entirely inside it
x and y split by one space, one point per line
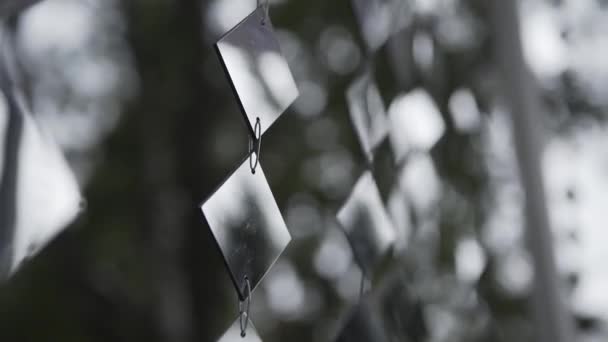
244 309
255 145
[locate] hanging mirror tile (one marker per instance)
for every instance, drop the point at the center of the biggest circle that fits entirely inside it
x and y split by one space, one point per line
39 193
388 313
258 72
367 224
233 334
247 225
367 113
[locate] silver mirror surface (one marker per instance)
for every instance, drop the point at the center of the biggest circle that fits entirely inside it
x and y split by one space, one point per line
247 226
258 72
367 224
233 334
367 113
39 193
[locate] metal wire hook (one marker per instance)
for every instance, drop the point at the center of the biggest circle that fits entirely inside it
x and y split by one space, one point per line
244 309
255 145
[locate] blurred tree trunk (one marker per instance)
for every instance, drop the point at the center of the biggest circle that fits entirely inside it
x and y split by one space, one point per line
159 34
554 324
173 128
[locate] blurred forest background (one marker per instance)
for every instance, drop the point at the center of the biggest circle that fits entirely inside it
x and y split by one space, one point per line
134 95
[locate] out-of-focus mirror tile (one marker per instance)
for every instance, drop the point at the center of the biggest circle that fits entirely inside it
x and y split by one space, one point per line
258 71
39 193
367 224
389 312
367 113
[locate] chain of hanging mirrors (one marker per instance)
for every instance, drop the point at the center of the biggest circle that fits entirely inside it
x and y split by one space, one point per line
388 311
242 213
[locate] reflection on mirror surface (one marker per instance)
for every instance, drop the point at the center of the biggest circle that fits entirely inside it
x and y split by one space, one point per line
260 75
367 113
367 224
247 225
234 333
39 194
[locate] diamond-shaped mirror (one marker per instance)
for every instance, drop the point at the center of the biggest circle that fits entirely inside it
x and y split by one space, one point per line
367 113
388 313
247 226
367 224
258 71
39 193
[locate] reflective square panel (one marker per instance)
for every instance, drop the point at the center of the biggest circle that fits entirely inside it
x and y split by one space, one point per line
378 19
367 224
247 226
367 113
233 334
388 313
258 72
39 193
